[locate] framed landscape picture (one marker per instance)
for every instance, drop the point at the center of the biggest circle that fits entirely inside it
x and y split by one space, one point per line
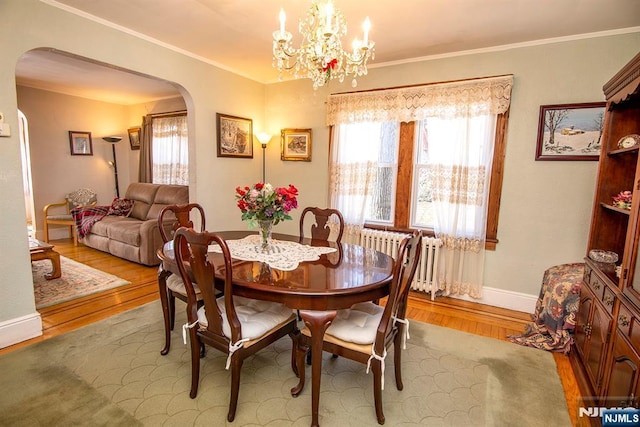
570 131
80 143
235 136
295 144
134 138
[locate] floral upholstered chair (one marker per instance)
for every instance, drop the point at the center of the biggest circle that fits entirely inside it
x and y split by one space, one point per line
75 199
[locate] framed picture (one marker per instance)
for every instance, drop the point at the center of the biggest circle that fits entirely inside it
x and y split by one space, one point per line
570 131
235 136
134 138
80 143
295 144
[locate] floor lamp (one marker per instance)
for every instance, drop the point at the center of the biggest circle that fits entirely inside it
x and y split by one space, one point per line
264 139
113 140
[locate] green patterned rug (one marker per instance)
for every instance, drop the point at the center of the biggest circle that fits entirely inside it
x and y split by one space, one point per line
111 373
77 280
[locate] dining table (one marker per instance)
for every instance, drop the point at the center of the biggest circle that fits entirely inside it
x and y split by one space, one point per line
338 276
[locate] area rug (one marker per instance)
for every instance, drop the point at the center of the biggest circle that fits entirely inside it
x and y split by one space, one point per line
77 280
112 373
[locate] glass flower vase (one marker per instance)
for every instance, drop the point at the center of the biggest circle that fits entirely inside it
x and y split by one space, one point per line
266 226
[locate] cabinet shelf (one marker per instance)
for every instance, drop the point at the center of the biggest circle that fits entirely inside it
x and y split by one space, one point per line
616 209
631 150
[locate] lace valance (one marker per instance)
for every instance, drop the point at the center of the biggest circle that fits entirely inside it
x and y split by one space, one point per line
476 97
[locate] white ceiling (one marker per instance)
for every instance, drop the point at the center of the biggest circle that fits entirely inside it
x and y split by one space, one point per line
236 34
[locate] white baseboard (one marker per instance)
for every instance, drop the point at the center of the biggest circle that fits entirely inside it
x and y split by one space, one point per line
505 299
20 329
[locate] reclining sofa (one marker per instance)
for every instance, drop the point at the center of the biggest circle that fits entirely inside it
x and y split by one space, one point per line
136 237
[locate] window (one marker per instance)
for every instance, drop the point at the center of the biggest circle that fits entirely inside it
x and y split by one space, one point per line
170 150
378 143
450 143
402 152
428 124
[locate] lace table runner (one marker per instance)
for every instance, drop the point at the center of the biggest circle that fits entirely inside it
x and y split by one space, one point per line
282 255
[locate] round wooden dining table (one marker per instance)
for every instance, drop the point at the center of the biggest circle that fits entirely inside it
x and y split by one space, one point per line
317 289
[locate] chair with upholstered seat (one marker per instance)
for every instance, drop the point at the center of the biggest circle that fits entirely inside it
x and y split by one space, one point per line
365 331
170 285
321 229
75 199
236 326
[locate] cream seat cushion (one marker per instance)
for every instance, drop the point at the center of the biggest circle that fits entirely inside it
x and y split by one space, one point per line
175 283
357 324
256 317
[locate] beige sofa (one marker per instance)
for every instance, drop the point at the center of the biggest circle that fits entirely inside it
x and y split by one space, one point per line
137 237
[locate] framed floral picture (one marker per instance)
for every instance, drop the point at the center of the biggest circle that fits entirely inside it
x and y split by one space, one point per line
235 136
570 131
295 144
80 143
134 138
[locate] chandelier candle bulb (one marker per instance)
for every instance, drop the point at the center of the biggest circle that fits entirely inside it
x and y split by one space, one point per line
329 10
366 26
283 18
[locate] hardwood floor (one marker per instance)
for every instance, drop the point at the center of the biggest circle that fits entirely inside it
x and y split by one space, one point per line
465 316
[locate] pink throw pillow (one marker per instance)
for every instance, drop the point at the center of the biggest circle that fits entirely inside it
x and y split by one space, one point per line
120 207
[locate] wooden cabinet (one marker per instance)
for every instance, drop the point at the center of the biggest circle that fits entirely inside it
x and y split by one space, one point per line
606 352
593 327
623 389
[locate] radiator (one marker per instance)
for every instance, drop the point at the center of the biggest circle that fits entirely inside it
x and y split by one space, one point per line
426 278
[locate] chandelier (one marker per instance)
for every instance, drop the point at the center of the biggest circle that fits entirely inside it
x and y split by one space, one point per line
321 57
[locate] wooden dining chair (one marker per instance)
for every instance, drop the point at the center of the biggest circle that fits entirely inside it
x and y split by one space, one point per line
234 325
171 286
365 331
320 228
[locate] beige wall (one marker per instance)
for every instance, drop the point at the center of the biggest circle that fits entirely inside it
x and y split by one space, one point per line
50 116
545 205
55 171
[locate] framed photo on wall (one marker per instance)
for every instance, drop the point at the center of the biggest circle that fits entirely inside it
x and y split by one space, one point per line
570 131
134 138
235 136
80 143
295 144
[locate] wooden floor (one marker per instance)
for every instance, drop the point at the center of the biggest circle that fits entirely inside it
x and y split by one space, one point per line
465 316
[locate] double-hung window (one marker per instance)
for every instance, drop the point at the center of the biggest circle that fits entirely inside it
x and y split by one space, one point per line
437 152
170 150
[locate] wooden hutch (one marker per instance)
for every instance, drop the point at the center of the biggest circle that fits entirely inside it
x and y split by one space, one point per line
606 353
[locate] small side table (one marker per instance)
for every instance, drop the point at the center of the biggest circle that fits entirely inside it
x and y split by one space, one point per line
41 251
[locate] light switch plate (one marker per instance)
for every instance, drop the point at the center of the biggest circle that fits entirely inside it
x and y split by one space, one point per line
5 129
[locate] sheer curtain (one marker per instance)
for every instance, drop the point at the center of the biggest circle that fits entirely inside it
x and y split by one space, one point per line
460 118
459 168
170 151
353 169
